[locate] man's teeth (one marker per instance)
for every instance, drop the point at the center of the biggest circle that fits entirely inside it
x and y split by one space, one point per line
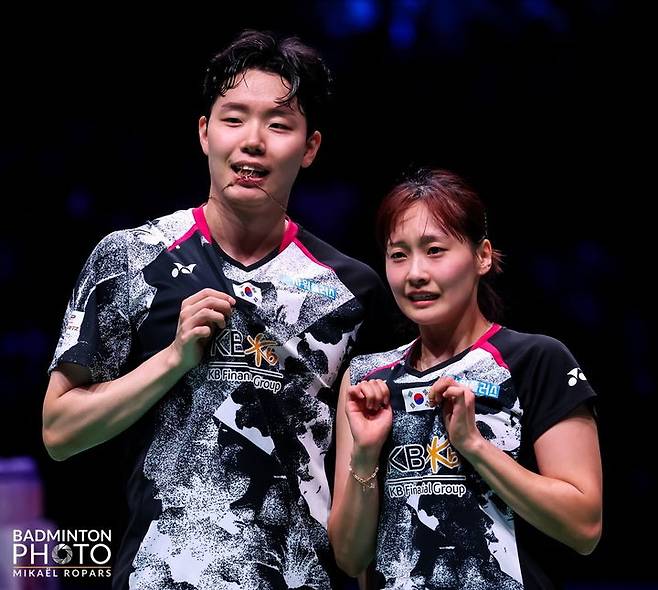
249 171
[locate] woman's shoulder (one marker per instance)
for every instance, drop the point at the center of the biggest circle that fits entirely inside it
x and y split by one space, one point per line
528 342
525 352
378 364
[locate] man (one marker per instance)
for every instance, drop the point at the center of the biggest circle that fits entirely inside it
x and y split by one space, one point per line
212 337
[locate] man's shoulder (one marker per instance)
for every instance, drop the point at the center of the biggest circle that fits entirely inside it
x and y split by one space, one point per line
331 256
137 246
165 230
159 232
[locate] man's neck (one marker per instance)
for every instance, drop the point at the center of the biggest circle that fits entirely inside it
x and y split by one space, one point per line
246 236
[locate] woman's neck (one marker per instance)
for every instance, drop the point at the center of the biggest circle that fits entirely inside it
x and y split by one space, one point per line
441 343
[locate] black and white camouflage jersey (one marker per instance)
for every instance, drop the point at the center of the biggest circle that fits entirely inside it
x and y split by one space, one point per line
441 526
229 489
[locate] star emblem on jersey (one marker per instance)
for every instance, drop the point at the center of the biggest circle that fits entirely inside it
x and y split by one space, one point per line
182 269
261 348
249 293
435 456
574 375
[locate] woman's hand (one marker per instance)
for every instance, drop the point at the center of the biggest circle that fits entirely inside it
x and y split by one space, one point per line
369 415
458 406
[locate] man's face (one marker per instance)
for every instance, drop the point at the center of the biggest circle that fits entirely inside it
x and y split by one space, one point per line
253 143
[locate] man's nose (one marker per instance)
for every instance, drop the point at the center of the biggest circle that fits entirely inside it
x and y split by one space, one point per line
253 143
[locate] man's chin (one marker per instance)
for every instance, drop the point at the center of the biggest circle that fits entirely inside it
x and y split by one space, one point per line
249 197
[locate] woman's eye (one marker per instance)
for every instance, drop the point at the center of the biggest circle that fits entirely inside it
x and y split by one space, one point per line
396 255
435 250
280 126
231 120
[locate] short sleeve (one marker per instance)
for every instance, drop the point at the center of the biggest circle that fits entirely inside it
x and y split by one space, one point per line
552 388
358 368
96 331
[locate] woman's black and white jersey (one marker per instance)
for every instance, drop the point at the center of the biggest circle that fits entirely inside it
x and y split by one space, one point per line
441 526
229 488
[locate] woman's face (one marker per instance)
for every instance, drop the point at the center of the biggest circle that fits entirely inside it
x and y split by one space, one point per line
433 275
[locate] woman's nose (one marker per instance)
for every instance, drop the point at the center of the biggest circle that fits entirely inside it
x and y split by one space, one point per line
417 273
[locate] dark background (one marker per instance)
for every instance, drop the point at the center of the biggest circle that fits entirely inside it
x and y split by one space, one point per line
542 105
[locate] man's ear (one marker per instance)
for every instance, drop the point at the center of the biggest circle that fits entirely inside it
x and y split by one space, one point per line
203 134
312 147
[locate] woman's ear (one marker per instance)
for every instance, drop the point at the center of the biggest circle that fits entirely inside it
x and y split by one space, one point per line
484 257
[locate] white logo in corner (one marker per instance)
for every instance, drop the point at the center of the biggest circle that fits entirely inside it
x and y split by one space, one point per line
249 293
576 374
47 553
182 269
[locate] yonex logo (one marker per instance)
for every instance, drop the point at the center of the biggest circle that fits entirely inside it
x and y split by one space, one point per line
182 269
576 374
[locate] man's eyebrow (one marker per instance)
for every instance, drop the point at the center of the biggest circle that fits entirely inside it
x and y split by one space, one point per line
233 106
282 110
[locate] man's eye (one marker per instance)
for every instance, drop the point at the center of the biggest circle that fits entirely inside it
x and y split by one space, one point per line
396 255
231 120
280 126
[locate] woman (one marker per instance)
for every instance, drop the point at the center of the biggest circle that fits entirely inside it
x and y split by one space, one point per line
460 454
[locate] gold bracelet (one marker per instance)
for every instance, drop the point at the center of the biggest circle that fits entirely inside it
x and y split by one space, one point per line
368 482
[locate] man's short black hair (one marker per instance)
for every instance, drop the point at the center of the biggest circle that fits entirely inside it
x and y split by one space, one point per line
300 66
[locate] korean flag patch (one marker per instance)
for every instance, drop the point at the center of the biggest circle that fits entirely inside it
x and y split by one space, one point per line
416 399
249 293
